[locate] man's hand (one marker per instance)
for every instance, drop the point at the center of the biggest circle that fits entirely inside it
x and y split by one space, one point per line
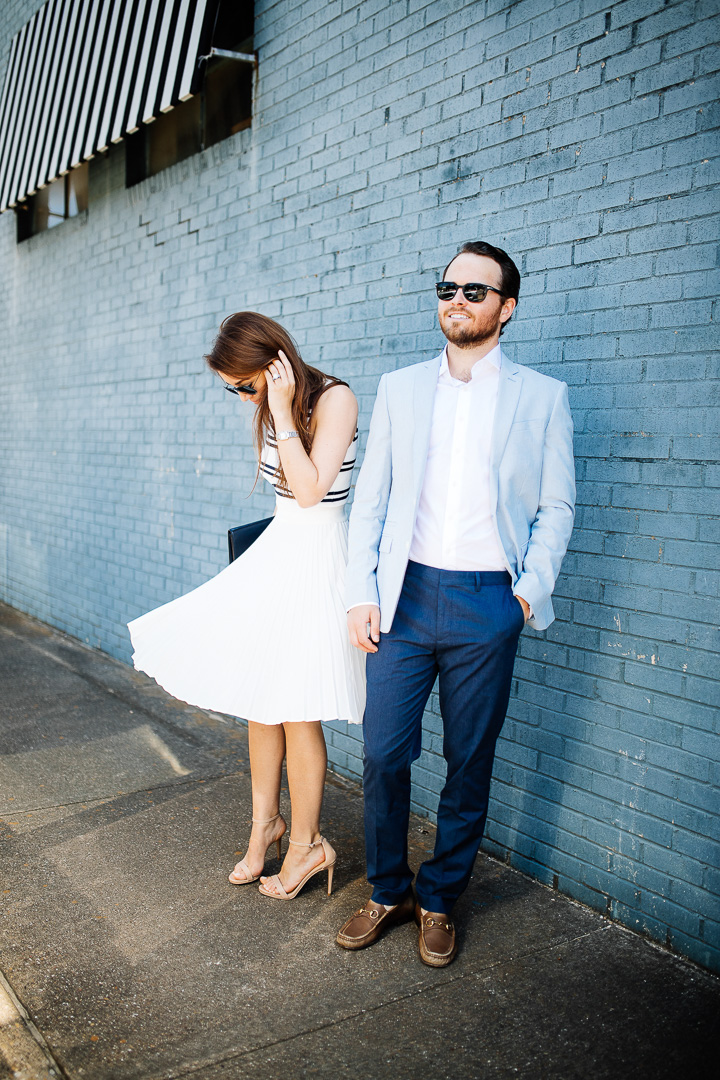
525 606
364 627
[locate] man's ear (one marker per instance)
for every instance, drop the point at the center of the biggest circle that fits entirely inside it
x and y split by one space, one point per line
507 309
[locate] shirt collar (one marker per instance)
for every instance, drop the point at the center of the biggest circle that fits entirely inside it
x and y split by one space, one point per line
492 360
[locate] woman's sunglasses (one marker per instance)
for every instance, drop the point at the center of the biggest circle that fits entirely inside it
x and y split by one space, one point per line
474 292
242 388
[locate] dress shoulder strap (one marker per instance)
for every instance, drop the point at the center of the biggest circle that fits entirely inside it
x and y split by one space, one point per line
330 381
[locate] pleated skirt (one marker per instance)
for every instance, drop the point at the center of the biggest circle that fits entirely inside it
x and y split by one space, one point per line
266 639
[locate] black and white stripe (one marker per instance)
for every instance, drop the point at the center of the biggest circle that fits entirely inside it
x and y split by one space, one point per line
270 468
84 73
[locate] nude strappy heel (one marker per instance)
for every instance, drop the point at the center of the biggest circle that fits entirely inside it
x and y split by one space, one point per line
242 865
328 864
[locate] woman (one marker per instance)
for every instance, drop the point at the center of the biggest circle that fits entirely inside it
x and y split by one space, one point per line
266 638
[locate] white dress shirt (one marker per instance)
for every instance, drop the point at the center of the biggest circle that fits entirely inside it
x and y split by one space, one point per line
454 527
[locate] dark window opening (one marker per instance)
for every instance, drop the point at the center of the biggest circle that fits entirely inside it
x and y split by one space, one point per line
222 107
65 198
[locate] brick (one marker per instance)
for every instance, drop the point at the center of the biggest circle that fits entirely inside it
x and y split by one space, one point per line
633 61
640 111
665 75
575 131
699 92
665 21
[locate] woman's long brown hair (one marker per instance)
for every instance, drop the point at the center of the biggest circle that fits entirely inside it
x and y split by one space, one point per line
246 344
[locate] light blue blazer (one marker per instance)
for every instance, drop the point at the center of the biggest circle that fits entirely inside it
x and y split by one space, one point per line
532 478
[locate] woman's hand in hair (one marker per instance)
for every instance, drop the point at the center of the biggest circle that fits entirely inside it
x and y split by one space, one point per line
281 391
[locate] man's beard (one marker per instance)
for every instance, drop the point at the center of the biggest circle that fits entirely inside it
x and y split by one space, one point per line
467 335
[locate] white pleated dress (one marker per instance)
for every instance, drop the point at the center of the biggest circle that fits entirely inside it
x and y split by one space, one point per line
266 639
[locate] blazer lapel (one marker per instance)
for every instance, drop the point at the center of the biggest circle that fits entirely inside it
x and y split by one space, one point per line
421 417
509 388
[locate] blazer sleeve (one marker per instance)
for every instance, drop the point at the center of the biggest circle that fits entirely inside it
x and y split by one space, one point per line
369 508
550 532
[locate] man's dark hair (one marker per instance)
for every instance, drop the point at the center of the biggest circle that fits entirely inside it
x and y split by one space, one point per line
509 273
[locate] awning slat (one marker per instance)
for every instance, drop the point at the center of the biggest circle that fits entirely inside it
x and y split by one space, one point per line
144 65
58 16
119 127
30 129
72 115
191 54
148 112
91 95
105 63
85 73
166 100
28 180
116 69
57 91
14 80
5 111
66 100
17 115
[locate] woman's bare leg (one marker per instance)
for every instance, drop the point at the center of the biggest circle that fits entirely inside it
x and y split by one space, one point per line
306 768
267 750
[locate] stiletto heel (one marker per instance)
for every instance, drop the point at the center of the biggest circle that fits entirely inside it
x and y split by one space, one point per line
248 878
281 893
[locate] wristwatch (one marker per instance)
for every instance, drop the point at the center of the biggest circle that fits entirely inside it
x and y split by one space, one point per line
282 435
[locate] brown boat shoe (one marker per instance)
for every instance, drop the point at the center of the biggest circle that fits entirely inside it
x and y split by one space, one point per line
371 921
436 938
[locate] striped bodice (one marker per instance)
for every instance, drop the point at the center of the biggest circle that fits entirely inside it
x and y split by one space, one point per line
340 488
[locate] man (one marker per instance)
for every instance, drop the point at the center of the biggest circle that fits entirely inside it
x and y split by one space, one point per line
462 514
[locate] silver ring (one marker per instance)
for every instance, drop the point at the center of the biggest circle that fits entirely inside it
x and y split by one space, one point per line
275 378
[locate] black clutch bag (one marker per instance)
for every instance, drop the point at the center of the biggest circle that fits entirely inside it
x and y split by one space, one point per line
242 536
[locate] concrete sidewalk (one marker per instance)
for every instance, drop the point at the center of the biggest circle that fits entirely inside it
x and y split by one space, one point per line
125 953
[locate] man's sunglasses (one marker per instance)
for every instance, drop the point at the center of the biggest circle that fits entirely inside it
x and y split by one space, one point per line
474 292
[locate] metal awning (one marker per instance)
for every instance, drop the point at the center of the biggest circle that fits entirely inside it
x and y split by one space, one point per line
84 73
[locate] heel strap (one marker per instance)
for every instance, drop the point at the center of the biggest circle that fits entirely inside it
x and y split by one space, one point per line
258 821
298 844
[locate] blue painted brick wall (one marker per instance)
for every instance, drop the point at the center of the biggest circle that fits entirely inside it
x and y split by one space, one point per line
583 138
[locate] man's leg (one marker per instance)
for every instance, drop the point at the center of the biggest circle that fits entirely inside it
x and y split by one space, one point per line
478 632
400 677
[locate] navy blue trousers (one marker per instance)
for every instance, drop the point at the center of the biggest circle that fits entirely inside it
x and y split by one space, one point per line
464 627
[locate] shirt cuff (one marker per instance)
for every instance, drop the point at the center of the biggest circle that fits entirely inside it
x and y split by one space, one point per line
366 603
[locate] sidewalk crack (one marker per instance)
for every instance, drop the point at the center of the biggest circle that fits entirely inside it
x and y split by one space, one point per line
408 996
38 1061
